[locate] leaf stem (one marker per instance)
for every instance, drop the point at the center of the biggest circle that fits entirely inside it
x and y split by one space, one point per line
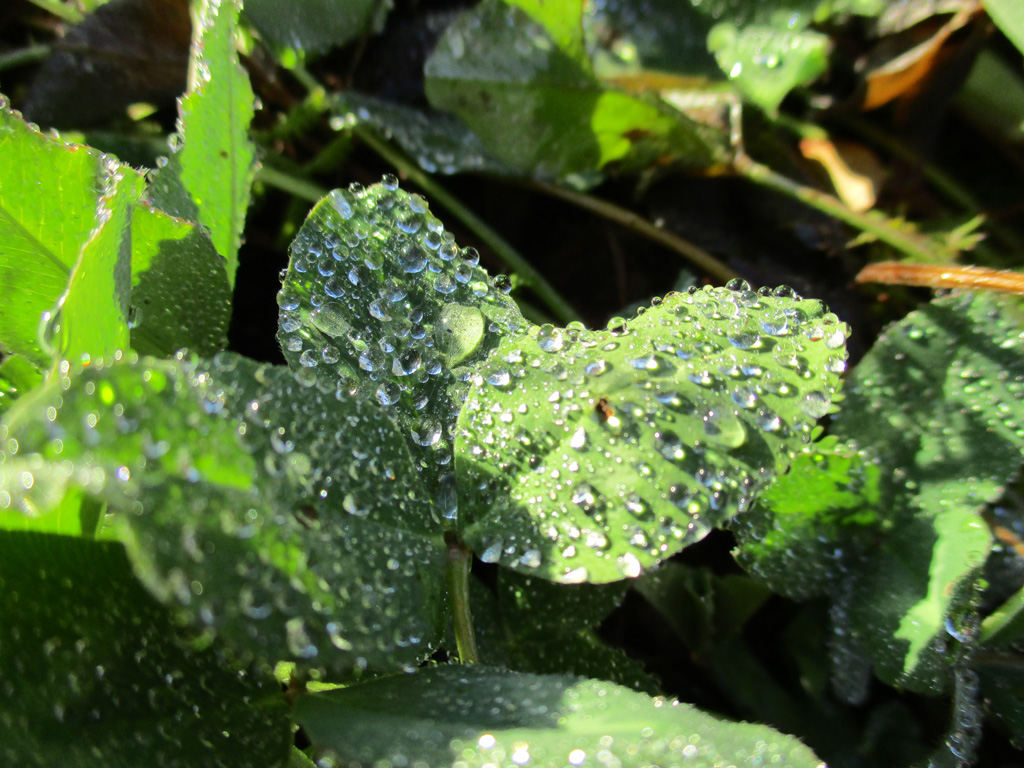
294 185
510 257
457 575
914 245
22 56
633 221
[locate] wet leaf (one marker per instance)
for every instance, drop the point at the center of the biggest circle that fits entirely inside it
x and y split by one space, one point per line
17 376
589 456
91 317
208 178
795 537
529 92
476 715
314 26
767 62
440 142
49 207
95 673
379 299
289 523
547 628
938 405
180 293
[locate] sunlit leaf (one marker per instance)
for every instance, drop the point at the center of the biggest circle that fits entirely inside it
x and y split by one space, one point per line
208 178
49 207
379 299
590 455
458 715
1008 17
94 672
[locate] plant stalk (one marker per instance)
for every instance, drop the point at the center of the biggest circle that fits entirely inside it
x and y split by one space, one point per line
510 257
911 244
457 575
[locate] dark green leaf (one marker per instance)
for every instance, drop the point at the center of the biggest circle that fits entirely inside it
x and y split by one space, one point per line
17 376
379 299
438 141
797 534
474 715
209 176
291 524
588 456
180 291
548 628
94 673
313 26
528 91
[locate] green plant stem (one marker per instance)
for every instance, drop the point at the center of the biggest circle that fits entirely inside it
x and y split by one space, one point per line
640 225
871 222
294 185
63 11
21 56
457 575
510 257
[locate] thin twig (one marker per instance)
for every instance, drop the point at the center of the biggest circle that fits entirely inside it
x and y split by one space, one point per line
943 276
22 56
873 223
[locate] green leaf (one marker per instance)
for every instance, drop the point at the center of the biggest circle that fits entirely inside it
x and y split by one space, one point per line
588 456
289 523
438 141
209 177
536 104
92 315
314 26
938 402
766 63
180 292
908 592
474 715
95 673
1009 17
17 376
796 535
49 207
545 628
379 300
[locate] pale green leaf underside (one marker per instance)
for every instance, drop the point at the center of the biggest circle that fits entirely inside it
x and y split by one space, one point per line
290 524
380 300
209 178
477 716
94 674
588 456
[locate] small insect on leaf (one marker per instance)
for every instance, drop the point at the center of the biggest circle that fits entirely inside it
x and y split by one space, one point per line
604 410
